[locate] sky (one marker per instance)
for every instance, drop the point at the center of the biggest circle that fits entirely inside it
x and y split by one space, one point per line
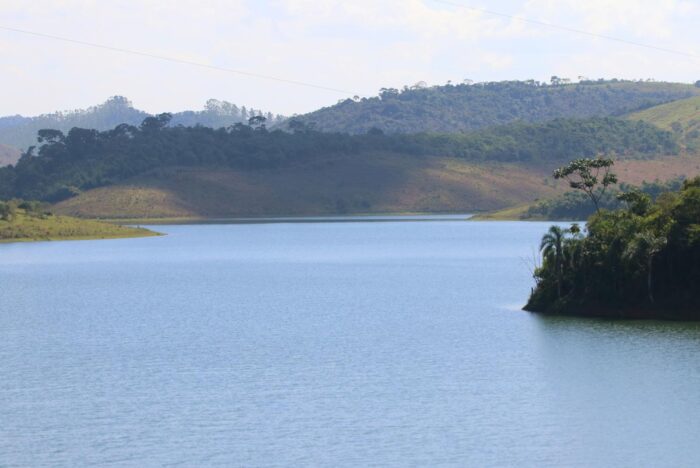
356 46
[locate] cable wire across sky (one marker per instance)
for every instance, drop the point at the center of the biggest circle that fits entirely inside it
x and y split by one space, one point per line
329 88
566 28
177 60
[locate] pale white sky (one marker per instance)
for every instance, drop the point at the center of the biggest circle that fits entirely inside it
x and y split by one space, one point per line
358 45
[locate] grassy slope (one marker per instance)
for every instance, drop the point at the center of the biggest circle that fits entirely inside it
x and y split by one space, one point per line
685 112
31 228
511 213
379 183
631 172
376 183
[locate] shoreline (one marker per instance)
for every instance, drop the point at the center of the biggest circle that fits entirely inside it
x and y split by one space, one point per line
146 233
32 227
379 217
613 313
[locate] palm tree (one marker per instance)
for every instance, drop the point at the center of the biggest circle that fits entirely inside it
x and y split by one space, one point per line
574 249
646 245
552 247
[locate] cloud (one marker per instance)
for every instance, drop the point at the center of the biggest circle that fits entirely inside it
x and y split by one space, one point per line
358 45
643 18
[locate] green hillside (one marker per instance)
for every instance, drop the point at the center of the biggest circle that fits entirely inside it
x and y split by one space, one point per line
84 159
681 117
455 108
157 170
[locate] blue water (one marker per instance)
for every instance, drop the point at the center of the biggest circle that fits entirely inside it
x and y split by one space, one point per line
326 344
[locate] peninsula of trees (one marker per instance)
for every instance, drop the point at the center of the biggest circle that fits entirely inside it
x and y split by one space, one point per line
640 261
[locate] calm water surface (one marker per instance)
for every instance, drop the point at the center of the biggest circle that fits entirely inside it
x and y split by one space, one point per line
326 344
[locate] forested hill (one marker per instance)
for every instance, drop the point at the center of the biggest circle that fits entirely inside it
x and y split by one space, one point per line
20 132
453 108
83 159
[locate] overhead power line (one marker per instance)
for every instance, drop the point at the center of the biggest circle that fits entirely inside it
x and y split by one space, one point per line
567 29
338 90
180 61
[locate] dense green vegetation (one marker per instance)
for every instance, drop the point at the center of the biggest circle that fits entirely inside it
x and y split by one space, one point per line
83 159
20 132
641 261
28 221
463 107
575 205
417 109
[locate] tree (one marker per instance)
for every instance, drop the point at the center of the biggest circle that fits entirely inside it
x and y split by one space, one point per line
646 255
637 201
386 93
151 124
552 248
592 176
257 122
79 139
697 84
573 247
123 130
50 136
213 105
646 245
297 126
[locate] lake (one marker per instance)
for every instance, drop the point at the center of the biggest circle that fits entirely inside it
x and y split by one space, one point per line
326 344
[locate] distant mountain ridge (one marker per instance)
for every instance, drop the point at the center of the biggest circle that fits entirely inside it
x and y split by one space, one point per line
20 132
467 107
